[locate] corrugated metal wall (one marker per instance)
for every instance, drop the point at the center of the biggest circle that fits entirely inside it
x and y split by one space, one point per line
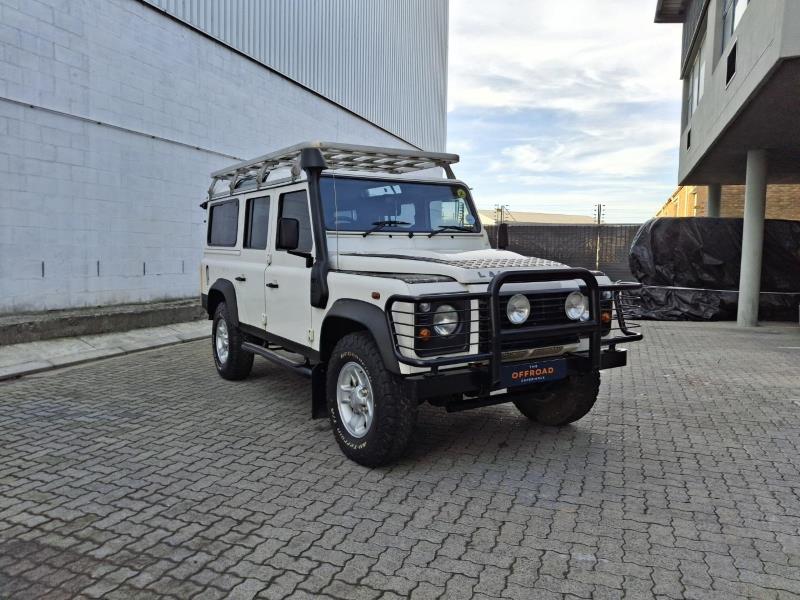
385 60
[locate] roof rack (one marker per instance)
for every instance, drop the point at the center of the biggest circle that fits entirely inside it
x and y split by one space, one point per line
347 157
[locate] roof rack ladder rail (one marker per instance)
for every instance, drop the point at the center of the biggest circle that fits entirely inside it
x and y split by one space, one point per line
214 181
448 170
262 175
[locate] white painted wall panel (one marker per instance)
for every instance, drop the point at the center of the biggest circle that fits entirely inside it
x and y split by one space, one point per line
383 59
131 112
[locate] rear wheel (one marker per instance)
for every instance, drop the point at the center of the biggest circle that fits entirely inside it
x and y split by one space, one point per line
371 415
564 403
226 340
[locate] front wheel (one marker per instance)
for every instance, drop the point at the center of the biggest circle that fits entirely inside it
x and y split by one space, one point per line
371 415
564 403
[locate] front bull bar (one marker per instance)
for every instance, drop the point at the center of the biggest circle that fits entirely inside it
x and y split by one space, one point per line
497 334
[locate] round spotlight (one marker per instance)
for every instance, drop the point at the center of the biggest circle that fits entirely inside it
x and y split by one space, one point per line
424 307
518 309
445 320
575 306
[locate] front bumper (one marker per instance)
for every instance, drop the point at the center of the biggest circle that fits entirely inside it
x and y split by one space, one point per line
473 380
481 371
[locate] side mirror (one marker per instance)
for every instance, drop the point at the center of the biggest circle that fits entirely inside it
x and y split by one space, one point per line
502 236
288 234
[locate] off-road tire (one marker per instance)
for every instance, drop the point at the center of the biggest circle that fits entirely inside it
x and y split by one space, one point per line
239 362
564 403
395 412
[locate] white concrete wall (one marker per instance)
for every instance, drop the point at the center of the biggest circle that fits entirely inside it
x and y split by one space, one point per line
172 105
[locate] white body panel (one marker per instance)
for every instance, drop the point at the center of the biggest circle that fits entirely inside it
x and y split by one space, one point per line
250 293
288 308
251 267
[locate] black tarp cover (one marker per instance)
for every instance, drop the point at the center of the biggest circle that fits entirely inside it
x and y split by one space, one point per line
690 269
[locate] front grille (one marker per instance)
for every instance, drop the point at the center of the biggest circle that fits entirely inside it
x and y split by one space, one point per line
546 309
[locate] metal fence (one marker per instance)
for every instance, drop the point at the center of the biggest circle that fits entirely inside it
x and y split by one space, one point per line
601 247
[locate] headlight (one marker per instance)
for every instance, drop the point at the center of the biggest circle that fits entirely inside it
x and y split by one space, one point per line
576 305
518 309
445 320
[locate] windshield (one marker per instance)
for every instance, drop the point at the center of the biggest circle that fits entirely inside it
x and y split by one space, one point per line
392 205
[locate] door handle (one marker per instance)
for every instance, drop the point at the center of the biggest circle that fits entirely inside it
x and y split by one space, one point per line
272 285
241 278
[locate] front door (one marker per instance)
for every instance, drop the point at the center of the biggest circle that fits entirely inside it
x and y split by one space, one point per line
250 288
288 279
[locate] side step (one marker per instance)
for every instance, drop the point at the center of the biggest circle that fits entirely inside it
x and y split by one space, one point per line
302 368
471 403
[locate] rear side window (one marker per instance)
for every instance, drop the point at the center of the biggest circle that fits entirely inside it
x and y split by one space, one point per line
223 223
294 205
257 223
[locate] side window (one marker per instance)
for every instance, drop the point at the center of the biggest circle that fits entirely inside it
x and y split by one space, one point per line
256 225
223 223
294 205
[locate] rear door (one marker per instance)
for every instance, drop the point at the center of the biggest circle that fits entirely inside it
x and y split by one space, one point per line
250 288
223 241
288 279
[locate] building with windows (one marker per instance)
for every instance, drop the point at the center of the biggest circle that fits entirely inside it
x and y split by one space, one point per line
114 113
740 66
783 202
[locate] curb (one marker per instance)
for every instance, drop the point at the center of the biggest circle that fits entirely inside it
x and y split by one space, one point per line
41 366
37 327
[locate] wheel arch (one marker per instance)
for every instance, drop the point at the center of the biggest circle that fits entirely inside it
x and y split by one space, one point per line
349 316
223 290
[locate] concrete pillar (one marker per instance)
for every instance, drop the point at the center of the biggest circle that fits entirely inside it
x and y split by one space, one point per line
714 200
755 200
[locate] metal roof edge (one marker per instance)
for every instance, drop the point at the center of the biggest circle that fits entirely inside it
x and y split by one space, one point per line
664 15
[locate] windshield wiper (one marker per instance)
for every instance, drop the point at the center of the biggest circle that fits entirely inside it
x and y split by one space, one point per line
378 225
443 228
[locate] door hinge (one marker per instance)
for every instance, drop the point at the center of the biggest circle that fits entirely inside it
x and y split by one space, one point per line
264 319
310 335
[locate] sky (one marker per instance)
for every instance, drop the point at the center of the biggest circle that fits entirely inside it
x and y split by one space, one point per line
556 106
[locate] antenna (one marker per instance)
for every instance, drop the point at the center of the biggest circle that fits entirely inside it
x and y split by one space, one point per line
600 213
501 214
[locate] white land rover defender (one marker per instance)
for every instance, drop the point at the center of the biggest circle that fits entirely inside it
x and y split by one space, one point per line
385 291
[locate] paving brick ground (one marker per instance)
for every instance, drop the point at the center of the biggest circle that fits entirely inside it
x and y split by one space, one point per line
147 476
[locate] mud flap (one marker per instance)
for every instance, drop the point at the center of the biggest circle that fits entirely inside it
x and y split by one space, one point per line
319 402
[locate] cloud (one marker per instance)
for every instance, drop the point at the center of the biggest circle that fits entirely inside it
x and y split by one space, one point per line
582 94
626 152
573 55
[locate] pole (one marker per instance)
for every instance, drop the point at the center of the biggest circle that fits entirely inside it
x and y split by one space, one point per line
755 199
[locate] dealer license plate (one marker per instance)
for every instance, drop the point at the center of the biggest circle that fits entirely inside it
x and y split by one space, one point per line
527 373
